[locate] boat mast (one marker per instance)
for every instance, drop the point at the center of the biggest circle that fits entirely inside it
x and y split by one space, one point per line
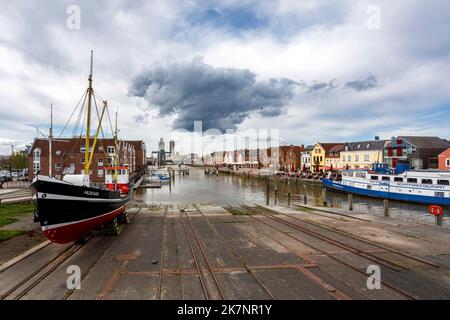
50 137
88 122
116 152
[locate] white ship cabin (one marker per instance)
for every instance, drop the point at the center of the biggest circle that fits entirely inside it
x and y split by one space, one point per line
123 175
441 178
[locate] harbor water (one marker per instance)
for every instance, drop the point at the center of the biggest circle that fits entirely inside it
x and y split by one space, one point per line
231 189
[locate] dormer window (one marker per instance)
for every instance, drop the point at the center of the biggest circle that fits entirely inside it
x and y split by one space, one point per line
368 146
359 146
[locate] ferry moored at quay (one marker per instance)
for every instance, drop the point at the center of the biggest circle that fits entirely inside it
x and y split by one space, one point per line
418 186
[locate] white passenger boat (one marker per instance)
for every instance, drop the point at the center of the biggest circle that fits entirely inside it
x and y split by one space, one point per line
427 186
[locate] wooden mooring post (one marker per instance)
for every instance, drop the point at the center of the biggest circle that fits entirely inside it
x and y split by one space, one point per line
305 199
350 202
289 199
267 191
324 196
386 207
439 219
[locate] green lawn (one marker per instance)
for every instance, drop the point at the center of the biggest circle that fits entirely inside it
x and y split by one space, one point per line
10 212
8 234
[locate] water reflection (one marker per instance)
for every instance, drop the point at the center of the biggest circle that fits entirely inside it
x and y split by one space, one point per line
231 190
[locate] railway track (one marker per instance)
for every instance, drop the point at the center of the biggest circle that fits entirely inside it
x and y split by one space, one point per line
163 244
187 224
30 281
345 234
175 237
237 255
327 240
367 255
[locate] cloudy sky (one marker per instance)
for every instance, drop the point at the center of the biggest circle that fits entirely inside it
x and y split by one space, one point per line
327 71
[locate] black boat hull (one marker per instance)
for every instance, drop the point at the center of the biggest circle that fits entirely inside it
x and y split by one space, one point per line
68 212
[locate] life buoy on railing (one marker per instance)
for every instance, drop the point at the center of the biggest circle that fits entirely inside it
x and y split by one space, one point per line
124 190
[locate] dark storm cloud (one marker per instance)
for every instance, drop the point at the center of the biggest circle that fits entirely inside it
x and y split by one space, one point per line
322 86
363 84
220 97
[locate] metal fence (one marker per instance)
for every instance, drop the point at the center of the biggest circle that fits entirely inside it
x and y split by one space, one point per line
14 185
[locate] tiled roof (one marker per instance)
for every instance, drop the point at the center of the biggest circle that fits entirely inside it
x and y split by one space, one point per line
426 142
366 145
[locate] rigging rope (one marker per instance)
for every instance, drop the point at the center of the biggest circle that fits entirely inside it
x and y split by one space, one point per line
70 118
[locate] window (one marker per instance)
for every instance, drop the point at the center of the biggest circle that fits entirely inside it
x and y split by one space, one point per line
58 152
374 177
356 158
443 182
397 179
386 178
412 180
82 149
359 146
360 174
57 167
100 148
368 146
343 158
366 157
70 170
447 162
82 160
36 160
100 162
349 158
100 173
110 149
427 181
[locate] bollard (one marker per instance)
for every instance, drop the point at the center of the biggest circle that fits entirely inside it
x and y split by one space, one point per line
439 219
305 199
350 202
289 199
386 207
324 196
267 190
276 197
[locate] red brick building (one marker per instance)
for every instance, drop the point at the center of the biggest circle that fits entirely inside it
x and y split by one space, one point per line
68 157
290 157
444 160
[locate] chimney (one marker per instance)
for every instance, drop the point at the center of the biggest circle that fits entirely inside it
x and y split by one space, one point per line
377 138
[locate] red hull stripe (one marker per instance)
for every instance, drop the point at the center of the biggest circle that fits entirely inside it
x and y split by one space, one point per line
72 231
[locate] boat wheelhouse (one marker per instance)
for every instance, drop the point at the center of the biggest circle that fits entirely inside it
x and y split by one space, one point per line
117 177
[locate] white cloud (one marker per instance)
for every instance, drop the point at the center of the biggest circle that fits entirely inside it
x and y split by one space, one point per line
41 61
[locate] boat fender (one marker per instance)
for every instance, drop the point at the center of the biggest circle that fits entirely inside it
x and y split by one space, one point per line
124 190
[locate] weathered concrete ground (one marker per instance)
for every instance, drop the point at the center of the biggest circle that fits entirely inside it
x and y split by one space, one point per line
253 253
